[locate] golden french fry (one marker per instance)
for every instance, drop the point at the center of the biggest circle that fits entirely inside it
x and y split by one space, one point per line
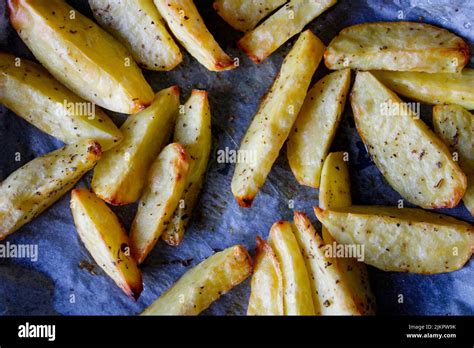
402 240
288 21
120 175
297 298
105 238
244 15
398 46
266 296
81 55
188 27
412 158
443 88
139 26
33 94
33 188
165 186
198 288
277 113
335 192
316 126
330 295
193 131
455 126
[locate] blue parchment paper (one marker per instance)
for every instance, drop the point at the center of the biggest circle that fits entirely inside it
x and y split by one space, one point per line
65 279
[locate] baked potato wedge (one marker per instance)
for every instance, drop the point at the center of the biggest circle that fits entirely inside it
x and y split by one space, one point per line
121 174
244 15
443 88
33 188
335 192
316 126
297 298
412 158
288 21
199 287
266 296
277 113
455 126
193 131
80 54
139 26
188 27
397 46
105 238
32 93
402 240
331 296
165 186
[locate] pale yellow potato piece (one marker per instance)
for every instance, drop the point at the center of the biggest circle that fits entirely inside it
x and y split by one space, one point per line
165 185
105 238
297 298
397 46
443 88
193 131
414 161
266 296
139 26
330 295
198 288
335 192
32 93
455 126
288 21
402 240
244 15
33 188
120 176
81 55
316 126
189 28
277 113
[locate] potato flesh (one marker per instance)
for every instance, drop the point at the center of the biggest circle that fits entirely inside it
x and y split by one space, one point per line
244 15
402 240
455 126
288 21
412 158
193 131
105 238
432 88
335 192
266 296
33 94
330 295
120 175
199 287
143 33
397 46
165 186
297 298
33 188
316 126
188 27
81 55
277 113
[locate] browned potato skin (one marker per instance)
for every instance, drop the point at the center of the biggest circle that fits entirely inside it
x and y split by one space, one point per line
106 239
